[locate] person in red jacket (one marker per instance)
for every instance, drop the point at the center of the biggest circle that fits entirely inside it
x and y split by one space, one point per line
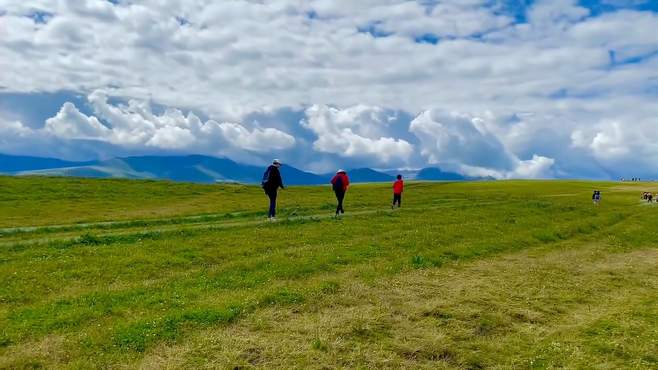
398 188
340 182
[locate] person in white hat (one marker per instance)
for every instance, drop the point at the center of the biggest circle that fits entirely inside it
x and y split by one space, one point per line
340 183
271 183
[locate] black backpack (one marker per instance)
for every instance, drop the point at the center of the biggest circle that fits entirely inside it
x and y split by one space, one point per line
266 178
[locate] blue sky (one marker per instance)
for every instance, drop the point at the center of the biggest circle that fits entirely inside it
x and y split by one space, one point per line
503 88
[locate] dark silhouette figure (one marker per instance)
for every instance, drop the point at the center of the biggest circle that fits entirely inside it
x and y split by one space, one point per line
271 183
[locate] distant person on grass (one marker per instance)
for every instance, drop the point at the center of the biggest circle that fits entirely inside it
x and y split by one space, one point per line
398 188
271 183
596 197
339 183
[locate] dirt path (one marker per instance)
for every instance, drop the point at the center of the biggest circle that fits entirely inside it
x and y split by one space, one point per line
74 234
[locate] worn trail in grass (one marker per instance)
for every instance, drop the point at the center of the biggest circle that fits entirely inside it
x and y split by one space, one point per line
354 292
96 232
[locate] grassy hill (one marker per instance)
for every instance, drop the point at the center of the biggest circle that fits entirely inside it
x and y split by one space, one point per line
514 274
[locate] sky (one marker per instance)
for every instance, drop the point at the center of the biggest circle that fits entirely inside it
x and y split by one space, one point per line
501 88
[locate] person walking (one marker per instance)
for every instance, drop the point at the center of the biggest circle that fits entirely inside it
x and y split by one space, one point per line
596 197
271 183
398 188
339 183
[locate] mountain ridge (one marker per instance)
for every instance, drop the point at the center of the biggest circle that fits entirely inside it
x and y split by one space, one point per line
189 168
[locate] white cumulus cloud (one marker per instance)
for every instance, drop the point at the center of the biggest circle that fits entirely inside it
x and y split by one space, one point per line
357 131
70 123
465 143
135 125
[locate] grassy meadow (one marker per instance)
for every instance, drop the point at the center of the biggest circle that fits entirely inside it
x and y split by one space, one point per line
151 274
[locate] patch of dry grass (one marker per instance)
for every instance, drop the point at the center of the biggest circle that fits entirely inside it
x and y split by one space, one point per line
31 355
574 308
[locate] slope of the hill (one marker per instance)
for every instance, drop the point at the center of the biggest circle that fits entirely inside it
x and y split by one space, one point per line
515 274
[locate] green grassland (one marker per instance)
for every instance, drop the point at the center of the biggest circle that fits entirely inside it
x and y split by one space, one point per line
151 274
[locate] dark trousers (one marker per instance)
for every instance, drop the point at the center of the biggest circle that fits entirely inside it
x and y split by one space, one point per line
397 198
340 195
272 195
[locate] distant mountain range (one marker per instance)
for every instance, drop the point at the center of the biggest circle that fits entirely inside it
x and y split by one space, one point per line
193 168
11 163
434 173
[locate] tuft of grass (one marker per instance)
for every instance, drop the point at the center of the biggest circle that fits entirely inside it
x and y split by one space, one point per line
318 345
329 287
282 297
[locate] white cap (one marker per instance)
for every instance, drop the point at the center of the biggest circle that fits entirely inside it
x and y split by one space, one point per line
339 171
276 161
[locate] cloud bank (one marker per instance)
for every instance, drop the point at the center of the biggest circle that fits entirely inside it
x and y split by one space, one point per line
554 88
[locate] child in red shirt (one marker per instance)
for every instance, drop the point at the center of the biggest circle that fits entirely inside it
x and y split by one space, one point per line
398 188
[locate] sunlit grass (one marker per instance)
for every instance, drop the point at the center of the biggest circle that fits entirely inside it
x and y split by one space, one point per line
492 274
